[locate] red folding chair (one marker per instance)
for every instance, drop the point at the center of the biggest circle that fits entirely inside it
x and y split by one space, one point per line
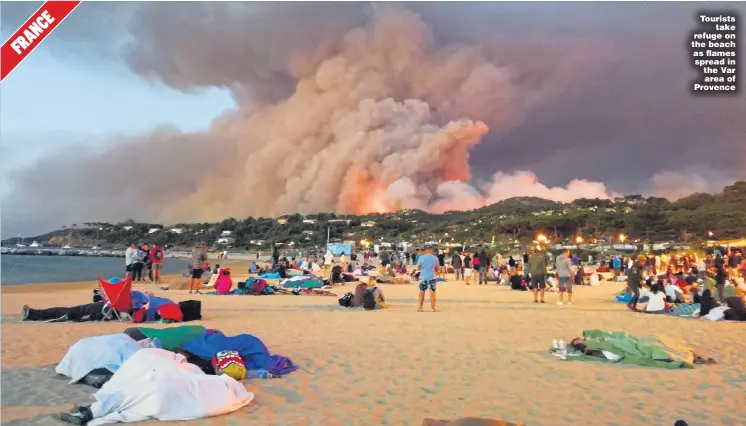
117 297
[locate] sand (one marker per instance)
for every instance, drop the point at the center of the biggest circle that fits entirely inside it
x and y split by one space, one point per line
483 355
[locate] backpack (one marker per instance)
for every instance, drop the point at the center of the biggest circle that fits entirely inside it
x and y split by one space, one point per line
346 300
369 299
257 287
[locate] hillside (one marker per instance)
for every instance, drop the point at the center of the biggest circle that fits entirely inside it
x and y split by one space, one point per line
638 218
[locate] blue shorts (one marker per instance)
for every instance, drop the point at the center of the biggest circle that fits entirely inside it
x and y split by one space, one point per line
565 281
427 284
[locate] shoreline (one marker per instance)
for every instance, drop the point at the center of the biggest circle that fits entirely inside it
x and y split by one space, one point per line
56 286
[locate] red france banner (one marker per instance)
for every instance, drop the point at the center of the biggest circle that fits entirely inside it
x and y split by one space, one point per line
36 29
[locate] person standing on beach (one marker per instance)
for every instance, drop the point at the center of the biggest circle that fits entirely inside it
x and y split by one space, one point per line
199 262
458 267
328 263
525 263
537 270
130 255
484 266
441 264
564 272
428 266
156 255
385 261
138 265
634 280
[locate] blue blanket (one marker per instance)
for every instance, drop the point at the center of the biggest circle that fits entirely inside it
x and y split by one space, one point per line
253 352
155 303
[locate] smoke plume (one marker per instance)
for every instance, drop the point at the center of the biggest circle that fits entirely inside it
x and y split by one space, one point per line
362 112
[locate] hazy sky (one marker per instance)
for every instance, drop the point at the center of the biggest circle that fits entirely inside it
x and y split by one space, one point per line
123 95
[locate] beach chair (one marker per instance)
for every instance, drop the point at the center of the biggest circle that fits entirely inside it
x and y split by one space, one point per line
117 297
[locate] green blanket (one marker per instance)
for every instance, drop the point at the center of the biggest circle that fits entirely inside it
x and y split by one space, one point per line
645 351
174 338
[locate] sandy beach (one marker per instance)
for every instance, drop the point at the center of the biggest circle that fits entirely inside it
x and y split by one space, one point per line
484 354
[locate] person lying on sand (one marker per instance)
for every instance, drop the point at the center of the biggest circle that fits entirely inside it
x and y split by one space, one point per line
88 312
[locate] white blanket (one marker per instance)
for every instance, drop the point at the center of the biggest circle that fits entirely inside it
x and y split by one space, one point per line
158 384
108 351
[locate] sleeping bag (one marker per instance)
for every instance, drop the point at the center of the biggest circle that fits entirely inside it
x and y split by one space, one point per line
91 353
253 352
158 384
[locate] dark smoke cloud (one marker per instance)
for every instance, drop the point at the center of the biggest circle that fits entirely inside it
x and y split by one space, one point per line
351 108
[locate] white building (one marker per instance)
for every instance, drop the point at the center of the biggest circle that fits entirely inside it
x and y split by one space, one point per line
368 224
176 230
226 233
127 228
309 221
226 240
153 230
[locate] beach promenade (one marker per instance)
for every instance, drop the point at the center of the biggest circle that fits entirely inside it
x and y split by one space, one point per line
484 354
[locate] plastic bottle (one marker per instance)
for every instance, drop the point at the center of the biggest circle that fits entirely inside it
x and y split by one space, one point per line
259 374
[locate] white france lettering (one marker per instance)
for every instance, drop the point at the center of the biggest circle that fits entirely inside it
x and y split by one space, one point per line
19 44
47 16
29 36
35 28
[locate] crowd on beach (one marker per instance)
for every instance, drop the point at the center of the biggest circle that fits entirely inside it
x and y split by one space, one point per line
655 283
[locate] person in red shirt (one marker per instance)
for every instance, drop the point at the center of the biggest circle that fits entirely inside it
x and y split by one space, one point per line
156 256
681 282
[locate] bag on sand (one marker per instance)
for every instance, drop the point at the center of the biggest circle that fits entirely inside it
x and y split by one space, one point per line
346 300
369 299
191 310
256 288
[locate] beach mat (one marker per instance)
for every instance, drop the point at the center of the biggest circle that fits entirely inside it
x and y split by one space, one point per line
468 421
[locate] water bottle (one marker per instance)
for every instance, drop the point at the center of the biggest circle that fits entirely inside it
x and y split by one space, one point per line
259 374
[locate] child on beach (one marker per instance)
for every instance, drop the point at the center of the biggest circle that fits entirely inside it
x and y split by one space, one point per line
427 265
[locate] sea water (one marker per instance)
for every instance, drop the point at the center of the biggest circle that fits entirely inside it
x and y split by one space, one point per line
49 269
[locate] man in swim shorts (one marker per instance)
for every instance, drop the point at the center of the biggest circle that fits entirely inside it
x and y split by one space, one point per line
537 269
427 263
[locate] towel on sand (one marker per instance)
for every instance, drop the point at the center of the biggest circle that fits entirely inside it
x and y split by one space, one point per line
90 353
158 384
173 338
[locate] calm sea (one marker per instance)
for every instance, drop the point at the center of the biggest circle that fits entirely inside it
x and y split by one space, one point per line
47 269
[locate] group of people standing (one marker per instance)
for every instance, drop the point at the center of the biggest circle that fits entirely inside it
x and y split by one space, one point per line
137 259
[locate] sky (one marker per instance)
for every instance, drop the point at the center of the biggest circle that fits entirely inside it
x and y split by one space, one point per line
353 108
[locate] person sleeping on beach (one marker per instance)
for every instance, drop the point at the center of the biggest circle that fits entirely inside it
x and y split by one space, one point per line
81 313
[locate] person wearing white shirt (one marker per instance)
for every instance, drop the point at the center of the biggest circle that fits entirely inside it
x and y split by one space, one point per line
328 263
672 291
130 256
656 300
343 261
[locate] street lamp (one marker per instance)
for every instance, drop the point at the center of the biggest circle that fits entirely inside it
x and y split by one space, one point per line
622 237
578 241
710 233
